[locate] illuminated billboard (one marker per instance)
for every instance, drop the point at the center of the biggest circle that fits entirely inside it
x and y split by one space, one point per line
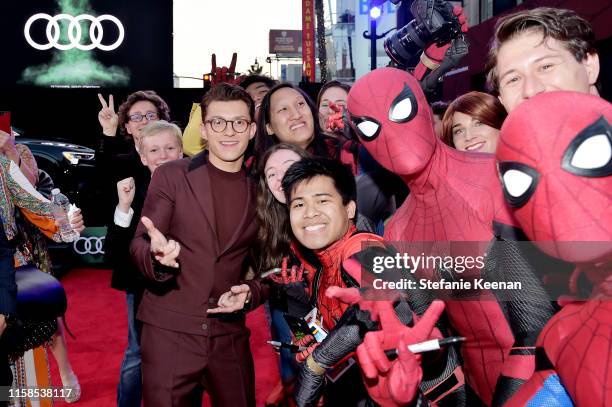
86 43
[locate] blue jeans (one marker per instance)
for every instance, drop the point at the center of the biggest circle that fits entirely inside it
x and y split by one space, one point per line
281 332
129 390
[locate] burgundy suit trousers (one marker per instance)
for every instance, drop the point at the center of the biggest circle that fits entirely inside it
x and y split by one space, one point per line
177 367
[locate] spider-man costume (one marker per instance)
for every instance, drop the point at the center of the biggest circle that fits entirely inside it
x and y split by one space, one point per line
555 163
454 196
332 274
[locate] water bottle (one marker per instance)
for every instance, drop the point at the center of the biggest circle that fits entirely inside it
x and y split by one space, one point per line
60 208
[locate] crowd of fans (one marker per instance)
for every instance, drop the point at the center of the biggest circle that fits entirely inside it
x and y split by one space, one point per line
274 204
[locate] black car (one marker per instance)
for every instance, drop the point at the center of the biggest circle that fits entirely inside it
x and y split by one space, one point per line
72 169
58 158
71 166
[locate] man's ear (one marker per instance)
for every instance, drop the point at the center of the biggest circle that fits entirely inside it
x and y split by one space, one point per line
591 64
351 208
204 131
252 130
143 159
269 130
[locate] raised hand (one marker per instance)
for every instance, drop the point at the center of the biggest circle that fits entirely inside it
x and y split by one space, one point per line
232 300
458 12
108 118
395 383
432 57
371 353
296 275
405 375
126 189
224 74
292 282
335 122
164 251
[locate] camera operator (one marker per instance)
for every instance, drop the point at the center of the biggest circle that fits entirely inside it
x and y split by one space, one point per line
437 33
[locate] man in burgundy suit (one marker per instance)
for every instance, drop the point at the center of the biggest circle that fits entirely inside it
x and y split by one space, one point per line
196 231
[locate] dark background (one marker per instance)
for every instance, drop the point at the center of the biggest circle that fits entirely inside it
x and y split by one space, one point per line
71 114
146 50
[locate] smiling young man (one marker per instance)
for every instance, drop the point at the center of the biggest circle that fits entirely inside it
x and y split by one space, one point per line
542 50
195 235
321 196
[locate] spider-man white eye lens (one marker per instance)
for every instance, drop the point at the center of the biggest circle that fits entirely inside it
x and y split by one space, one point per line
594 152
404 107
590 153
368 129
519 182
402 110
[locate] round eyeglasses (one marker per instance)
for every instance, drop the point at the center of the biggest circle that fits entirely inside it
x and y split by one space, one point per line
137 117
219 124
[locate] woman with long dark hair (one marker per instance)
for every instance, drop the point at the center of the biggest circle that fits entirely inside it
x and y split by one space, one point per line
276 250
288 115
274 235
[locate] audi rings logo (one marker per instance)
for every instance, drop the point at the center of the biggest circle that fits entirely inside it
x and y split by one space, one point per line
96 33
89 245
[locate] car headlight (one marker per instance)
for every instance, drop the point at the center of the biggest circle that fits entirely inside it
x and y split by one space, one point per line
74 157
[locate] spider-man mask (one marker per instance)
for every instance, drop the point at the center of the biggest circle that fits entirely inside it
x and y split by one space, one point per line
555 163
393 120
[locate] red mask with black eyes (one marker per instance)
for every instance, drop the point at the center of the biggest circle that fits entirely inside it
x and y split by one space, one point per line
392 119
555 162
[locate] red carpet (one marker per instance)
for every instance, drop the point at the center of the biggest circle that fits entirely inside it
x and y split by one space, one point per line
97 317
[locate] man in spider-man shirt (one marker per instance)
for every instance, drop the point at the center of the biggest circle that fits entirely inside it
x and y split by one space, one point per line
321 196
321 199
542 50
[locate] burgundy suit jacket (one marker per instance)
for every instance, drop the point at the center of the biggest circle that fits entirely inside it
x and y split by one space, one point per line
180 205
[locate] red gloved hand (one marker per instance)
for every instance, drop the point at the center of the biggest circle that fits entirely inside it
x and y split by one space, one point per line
389 384
224 74
291 285
368 300
433 56
405 375
311 344
335 122
296 275
458 11
371 353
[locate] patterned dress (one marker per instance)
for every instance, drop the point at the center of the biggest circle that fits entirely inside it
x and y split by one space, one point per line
31 370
